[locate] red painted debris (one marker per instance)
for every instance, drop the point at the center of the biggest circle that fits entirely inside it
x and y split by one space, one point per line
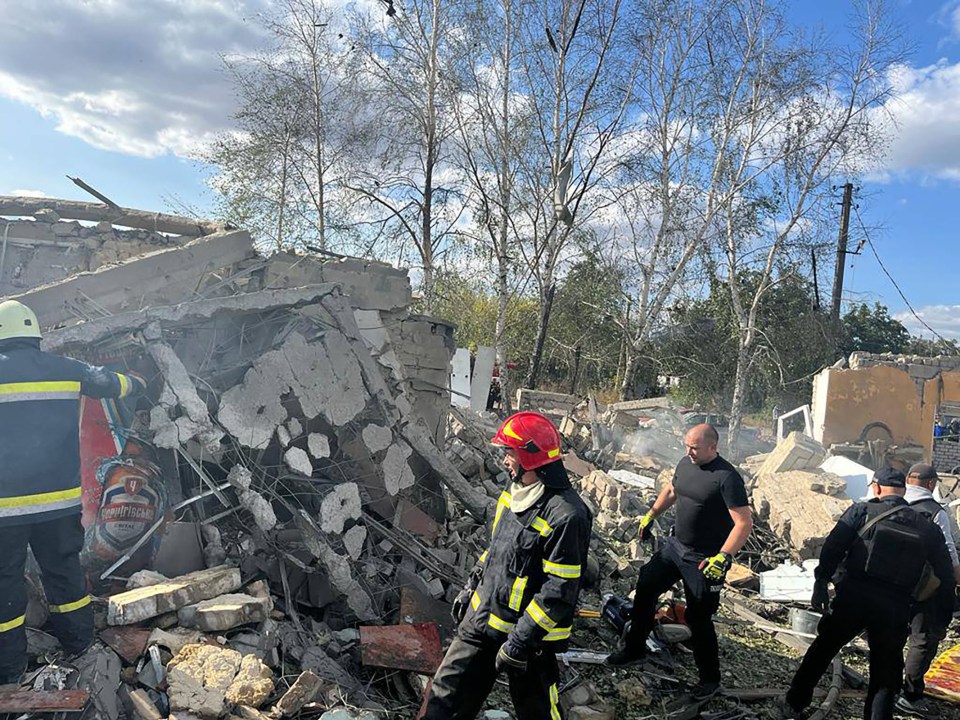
414 520
128 642
414 647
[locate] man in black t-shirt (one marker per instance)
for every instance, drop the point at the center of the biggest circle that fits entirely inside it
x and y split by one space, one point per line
712 524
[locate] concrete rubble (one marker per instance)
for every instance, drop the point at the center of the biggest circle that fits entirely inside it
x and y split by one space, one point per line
298 418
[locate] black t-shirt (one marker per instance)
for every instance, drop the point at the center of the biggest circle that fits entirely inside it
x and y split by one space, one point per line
705 493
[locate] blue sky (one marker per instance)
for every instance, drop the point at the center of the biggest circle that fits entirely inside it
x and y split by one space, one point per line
122 93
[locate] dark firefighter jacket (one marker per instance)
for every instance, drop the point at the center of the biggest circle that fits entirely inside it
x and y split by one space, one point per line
531 572
40 428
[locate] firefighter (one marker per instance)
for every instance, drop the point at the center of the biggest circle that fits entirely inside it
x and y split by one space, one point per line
713 522
40 483
875 556
516 611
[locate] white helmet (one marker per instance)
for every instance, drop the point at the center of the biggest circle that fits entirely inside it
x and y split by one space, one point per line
17 321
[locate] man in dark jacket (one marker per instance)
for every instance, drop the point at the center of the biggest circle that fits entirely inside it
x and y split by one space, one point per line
40 483
875 569
516 612
713 522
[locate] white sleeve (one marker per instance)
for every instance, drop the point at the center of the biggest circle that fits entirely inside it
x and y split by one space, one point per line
943 522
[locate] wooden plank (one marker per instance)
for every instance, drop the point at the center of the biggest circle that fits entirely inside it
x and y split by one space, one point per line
22 701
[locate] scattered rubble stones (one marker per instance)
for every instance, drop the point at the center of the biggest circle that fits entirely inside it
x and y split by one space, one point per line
339 506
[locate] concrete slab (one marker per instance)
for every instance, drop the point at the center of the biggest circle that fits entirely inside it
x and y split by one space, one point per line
159 276
141 604
460 379
482 375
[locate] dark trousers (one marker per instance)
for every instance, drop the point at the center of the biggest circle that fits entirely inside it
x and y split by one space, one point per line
928 626
673 562
56 545
854 611
466 676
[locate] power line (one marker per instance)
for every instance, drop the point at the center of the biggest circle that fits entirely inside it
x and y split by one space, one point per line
886 272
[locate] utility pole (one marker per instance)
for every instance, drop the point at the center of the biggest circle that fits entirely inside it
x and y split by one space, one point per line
841 251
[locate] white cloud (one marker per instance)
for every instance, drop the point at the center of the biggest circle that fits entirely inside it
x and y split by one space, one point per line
945 319
21 192
927 114
142 78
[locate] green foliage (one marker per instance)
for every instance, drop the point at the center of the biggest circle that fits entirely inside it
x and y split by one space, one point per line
793 343
873 330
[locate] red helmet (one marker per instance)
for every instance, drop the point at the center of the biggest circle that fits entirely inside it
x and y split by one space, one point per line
533 436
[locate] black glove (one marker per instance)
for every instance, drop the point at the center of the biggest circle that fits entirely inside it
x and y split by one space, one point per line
820 602
460 604
511 658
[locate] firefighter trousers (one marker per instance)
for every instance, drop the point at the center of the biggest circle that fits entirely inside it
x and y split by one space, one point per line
56 545
466 676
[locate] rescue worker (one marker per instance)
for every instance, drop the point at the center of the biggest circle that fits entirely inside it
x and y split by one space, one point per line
929 619
713 522
516 612
875 556
40 483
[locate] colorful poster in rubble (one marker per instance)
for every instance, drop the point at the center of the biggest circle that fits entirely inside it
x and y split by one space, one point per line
122 485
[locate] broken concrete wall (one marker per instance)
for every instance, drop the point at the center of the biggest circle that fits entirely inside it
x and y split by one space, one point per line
549 403
848 402
426 348
899 395
36 252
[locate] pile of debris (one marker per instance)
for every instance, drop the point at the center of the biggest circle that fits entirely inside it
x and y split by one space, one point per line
293 422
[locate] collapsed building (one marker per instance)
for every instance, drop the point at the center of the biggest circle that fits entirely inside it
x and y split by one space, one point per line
293 422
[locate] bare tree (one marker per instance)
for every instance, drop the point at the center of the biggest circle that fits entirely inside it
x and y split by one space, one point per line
805 113
407 180
276 171
578 85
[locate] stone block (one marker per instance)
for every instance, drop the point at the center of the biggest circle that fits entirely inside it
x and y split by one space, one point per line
304 690
134 606
224 612
592 712
799 516
794 452
204 679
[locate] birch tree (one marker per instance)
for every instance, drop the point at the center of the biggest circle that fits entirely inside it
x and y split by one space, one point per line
578 82
804 114
405 183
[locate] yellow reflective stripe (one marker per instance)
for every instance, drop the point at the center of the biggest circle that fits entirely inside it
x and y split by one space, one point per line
565 571
475 600
70 607
483 558
516 595
52 390
500 624
40 387
510 432
11 624
40 498
502 504
558 634
541 526
553 453
554 703
539 616
124 385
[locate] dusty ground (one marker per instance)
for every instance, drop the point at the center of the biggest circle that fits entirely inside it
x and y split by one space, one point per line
750 659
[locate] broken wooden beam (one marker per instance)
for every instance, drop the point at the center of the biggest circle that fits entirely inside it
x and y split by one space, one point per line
14 206
160 278
29 701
